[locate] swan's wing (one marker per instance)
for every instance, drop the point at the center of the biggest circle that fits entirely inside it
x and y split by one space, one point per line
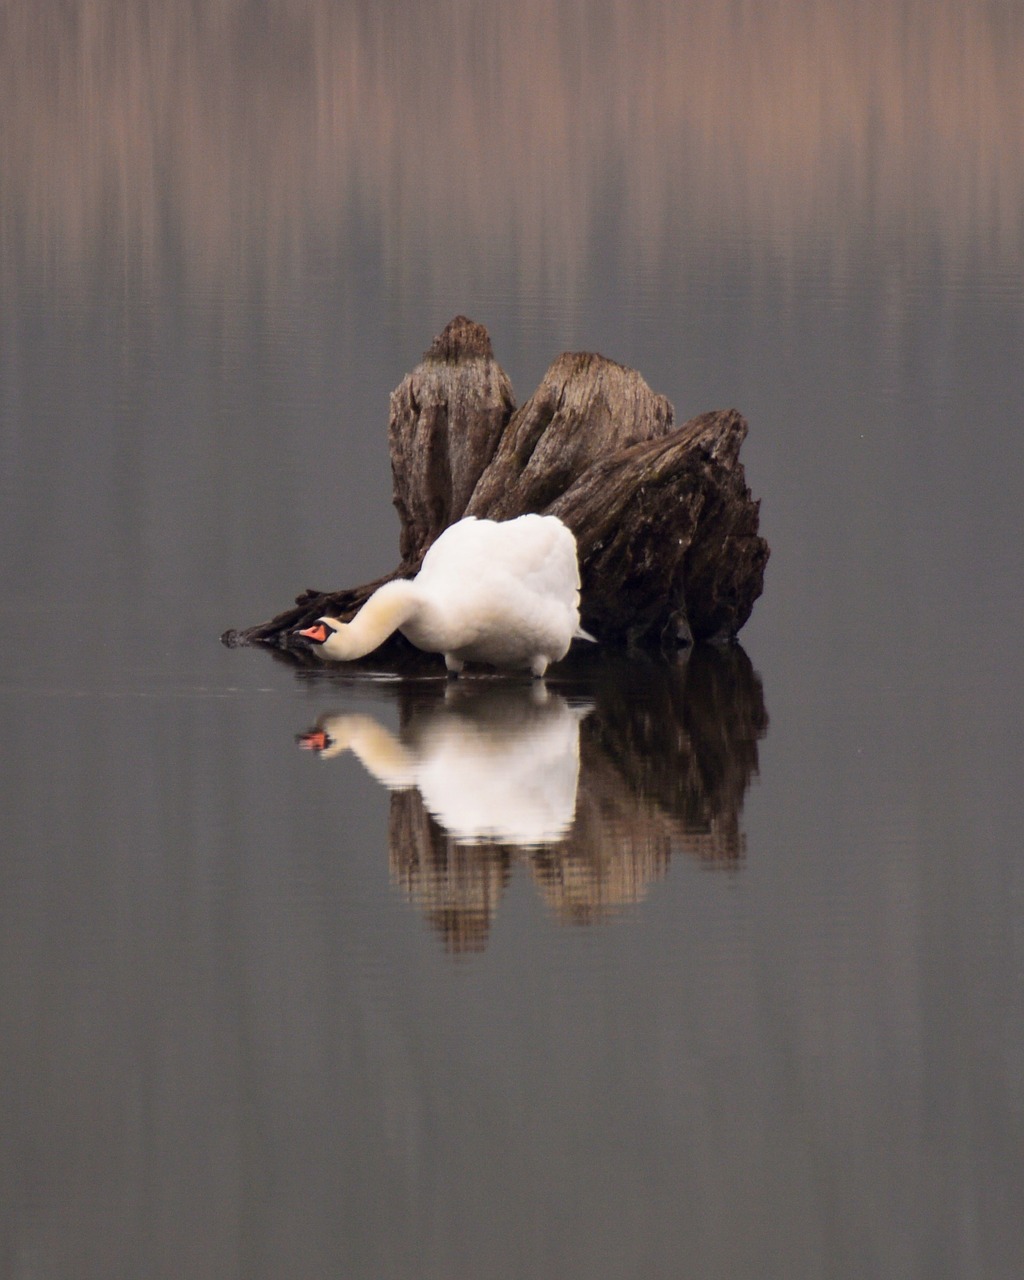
518 578
546 552
541 575
539 551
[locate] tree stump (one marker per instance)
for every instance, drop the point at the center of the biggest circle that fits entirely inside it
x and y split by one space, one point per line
447 418
666 527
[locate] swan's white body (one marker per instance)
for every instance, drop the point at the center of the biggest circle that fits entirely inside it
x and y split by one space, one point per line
504 593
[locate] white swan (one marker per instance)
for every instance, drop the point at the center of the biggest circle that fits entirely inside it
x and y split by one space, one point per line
502 592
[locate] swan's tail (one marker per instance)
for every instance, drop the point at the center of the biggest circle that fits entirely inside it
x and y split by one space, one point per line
580 634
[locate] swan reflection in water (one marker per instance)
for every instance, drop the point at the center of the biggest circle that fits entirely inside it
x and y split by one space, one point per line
498 765
594 787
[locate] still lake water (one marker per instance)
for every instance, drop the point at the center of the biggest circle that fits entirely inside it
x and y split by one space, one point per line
760 1010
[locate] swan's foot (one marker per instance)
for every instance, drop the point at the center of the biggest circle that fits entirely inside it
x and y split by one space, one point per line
538 666
454 665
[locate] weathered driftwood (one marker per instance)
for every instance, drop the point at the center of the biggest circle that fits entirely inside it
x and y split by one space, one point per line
666 526
447 418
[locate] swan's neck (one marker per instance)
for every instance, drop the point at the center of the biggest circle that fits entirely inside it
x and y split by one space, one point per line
386 610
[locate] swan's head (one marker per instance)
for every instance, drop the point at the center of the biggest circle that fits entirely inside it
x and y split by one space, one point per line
321 630
384 612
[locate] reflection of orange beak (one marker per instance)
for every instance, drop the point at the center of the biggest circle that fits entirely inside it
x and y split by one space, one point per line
315 740
317 632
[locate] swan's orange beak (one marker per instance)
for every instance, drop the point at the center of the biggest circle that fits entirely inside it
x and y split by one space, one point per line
317 632
315 740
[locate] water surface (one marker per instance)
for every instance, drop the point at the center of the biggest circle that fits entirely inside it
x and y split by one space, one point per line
757 1008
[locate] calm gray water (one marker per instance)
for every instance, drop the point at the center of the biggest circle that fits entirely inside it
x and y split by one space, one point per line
759 1011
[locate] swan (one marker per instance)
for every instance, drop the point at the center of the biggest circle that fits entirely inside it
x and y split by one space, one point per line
501 592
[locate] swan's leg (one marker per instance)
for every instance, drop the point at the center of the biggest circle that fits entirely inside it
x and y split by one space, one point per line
453 664
539 665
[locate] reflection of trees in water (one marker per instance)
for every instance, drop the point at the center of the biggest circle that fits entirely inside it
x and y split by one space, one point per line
666 751
245 131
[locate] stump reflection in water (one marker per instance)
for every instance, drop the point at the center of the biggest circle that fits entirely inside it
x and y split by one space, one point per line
593 783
